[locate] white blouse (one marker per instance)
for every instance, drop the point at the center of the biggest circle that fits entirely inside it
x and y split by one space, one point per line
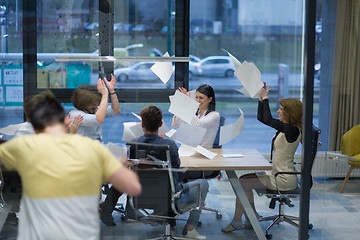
210 122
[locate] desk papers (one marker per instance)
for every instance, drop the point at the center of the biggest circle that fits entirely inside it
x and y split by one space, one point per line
230 131
183 106
163 70
187 151
188 134
232 155
203 151
117 150
11 129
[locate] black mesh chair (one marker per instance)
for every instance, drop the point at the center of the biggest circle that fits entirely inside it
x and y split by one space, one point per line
158 198
284 197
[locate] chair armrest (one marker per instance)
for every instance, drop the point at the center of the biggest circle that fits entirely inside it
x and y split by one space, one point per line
177 195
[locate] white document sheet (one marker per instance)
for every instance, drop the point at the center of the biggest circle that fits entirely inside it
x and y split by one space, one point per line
236 62
183 107
243 91
203 151
232 155
163 70
186 150
128 134
189 135
10 129
117 150
250 76
170 133
137 116
230 131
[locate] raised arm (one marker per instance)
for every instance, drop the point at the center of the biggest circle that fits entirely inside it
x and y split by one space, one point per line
101 111
115 106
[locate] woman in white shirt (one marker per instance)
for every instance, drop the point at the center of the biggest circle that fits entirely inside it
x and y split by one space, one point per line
206 117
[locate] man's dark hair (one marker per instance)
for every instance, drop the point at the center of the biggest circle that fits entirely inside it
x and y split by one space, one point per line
27 106
45 111
84 95
151 117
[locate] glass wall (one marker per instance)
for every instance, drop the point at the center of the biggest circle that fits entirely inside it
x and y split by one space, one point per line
270 34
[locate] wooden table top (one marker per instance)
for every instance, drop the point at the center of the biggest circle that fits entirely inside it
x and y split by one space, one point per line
252 160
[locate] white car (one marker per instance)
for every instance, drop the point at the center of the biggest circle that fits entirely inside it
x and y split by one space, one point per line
215 66
138 71
193 64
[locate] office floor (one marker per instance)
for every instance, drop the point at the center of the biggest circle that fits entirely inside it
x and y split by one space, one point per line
334 216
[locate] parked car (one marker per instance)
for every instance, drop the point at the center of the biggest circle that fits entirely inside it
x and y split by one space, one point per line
215 66
193 64
138 71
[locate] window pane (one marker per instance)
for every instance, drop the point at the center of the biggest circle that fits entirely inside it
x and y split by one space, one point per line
267 36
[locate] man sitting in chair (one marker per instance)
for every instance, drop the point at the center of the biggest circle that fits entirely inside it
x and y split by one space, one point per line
151 121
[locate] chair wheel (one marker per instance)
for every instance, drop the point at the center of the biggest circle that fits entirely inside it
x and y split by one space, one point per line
199 223
311 226
268 236
218 216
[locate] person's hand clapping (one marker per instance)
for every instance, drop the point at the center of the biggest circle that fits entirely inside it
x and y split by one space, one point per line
101 87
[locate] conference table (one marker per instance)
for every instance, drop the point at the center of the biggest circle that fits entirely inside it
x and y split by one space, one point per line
251 160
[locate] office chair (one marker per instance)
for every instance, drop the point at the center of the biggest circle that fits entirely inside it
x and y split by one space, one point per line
350 146
158 197
284 197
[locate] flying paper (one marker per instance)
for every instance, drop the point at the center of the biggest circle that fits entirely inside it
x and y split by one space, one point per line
250 76
117 150
183 106
189 134
236 62
230 131
163 70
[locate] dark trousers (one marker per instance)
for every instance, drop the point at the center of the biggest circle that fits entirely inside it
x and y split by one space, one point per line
111 199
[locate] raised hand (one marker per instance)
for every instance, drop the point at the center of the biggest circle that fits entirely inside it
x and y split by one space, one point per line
264 93
111 84
101 87
184 91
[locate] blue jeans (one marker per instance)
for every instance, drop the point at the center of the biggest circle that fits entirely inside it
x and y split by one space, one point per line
190 198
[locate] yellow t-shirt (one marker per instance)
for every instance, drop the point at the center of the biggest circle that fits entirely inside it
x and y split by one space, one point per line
61 181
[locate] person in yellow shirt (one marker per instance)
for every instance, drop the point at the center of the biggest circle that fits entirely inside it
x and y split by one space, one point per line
62 175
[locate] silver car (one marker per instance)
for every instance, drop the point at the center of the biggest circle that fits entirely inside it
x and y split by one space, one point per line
215 66
138 71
